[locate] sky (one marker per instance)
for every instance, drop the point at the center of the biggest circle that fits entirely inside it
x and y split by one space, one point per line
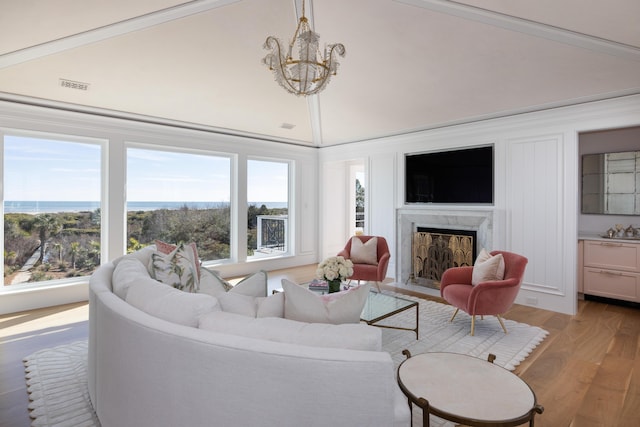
55 170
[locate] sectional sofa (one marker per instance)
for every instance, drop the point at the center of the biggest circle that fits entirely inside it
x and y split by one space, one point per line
159 356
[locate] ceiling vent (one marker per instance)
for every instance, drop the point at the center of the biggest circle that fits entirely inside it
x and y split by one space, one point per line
71 84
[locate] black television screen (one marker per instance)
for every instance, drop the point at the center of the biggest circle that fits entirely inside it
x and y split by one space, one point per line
457 176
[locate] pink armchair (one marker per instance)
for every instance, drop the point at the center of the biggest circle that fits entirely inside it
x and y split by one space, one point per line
370 272
486 298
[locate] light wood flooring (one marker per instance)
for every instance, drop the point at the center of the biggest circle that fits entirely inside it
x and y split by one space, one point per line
586 372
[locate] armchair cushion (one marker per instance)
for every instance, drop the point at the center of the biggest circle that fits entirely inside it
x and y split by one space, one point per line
364 252
487 268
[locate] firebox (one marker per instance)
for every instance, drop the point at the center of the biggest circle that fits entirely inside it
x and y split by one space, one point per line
436 249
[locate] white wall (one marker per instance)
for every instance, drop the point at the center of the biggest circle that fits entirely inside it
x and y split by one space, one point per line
536 193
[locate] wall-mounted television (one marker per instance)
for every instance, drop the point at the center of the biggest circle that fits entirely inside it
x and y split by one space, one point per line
455 176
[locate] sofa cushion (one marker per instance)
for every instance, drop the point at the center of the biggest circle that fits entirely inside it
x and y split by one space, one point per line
487 268
341 307
128 272
169 303
349 336
176 269
270 306
364 253
253 285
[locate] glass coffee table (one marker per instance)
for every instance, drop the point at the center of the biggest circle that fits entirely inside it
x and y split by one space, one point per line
381 306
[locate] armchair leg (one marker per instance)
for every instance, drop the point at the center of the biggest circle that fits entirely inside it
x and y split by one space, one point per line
501 323
378 286
454 314
473 324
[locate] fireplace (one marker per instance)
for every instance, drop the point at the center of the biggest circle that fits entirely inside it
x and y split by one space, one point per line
412 222
434 250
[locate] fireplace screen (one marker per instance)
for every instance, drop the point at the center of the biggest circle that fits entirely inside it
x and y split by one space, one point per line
435 250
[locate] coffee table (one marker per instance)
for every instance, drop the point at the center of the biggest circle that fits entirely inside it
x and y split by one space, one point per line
466 390
379 306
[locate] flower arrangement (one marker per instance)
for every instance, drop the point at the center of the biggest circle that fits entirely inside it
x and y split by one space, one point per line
334 270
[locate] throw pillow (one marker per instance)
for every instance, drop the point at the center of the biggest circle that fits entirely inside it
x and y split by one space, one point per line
487 268
271 306
167 248
341 307
364 253
254 285
176 269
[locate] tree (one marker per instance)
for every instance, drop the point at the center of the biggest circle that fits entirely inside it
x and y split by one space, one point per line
47 225
75 250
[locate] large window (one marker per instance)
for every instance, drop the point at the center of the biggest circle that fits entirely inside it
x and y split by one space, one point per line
179 197
51 201
268 211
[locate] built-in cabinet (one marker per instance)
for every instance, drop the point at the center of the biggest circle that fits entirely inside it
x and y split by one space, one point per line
611 268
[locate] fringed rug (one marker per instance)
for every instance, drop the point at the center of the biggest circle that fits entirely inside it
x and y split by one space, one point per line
57 386
57 377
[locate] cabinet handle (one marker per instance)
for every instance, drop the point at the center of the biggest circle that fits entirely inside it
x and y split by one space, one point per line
613 273
610 244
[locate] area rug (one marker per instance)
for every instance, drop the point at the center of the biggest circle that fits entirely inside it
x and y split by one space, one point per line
57 386
437 333
57 377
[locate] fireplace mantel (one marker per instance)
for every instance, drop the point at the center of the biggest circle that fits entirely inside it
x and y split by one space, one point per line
409 219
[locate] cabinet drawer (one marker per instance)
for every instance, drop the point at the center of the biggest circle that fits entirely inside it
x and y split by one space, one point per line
612 255
611 284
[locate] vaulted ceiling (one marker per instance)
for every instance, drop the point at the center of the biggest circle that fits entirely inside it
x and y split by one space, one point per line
410 64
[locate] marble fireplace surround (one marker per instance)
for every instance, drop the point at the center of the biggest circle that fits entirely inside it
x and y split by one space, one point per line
409 219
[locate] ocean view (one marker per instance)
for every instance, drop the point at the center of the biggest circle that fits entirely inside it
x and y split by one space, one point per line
36 207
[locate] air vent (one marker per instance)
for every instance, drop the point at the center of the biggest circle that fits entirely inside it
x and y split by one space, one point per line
71 84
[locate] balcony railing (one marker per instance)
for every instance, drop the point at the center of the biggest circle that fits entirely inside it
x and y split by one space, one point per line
272 233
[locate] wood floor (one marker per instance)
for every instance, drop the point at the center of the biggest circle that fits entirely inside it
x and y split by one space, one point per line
586 372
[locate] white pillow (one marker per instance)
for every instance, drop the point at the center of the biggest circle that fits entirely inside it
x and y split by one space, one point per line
487 268
271 306
177 268
211 283
341 307
128 272
169 303
364 253
254 285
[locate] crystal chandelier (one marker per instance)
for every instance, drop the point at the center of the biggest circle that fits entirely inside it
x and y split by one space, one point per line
311 72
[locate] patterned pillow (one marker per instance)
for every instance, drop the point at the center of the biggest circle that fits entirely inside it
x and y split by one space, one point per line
167 248
176 269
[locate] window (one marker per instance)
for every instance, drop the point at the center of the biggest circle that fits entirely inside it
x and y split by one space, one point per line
268 211
179 197
51 200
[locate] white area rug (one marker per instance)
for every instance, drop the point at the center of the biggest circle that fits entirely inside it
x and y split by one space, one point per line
57 386
57 377
438 334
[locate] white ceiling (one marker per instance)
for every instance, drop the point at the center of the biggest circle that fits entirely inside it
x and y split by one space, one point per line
410 64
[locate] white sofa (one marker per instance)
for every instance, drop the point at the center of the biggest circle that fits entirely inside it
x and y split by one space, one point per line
145 370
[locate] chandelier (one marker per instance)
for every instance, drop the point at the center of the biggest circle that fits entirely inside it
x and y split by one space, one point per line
311 72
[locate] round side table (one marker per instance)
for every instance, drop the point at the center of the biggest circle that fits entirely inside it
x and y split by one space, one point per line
466 390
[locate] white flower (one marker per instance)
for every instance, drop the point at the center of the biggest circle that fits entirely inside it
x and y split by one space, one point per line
334 268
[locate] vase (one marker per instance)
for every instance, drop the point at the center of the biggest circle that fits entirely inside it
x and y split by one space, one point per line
334 285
